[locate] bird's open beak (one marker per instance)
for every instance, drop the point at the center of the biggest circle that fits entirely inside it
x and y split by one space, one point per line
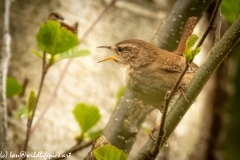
109 58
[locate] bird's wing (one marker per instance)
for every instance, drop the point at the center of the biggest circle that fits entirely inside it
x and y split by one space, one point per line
176 64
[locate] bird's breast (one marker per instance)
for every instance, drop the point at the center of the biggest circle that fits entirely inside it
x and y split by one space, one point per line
126 72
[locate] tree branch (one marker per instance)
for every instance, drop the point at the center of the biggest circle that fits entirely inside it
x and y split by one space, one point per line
215 57
169 33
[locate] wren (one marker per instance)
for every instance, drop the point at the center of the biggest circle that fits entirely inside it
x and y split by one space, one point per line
150 71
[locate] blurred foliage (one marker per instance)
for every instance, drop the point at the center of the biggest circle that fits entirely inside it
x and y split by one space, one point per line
109 152
27 110
86 116
232 146
53 39
230 9
72 53
120 92
13 87
22 111
147 128
92 134
31 102
189 53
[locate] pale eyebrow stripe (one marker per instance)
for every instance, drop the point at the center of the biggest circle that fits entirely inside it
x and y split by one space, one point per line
128 45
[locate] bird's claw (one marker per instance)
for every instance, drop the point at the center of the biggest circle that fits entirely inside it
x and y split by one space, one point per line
182 91
152 132
167 94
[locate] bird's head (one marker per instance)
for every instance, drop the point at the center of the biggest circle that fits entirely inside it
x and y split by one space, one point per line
132 52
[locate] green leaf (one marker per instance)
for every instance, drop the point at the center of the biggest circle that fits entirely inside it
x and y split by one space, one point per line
92 134
37 53
31 102
72 53
86 116
21 111
146 128
189 53
191 41
230 9
120 92
53 39
13 87
109 152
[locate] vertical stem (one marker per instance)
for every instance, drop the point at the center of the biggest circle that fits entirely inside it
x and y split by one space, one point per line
59 81
4 59
30 120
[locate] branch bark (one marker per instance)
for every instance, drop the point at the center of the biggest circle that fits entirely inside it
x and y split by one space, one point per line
170 29
4 59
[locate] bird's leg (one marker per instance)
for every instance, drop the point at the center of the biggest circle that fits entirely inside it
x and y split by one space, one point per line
182 89
159 122
167 94
156 127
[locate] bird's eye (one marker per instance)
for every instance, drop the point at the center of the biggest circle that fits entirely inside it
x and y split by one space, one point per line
119 49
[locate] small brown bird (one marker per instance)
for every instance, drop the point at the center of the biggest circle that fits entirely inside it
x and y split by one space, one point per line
148 70
58 17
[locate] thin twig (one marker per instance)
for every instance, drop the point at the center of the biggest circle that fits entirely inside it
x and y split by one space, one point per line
97 20
211 24
218 26
30 120
169 96
62 75
73 149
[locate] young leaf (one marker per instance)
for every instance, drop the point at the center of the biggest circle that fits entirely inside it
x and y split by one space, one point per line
53 39
120 92
21 111
31 102
86 116
92 134
189 53
72 53
191 41
108 152
13 87
146 128
37 53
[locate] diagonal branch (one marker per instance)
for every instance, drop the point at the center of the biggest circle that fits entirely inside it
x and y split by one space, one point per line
215 57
